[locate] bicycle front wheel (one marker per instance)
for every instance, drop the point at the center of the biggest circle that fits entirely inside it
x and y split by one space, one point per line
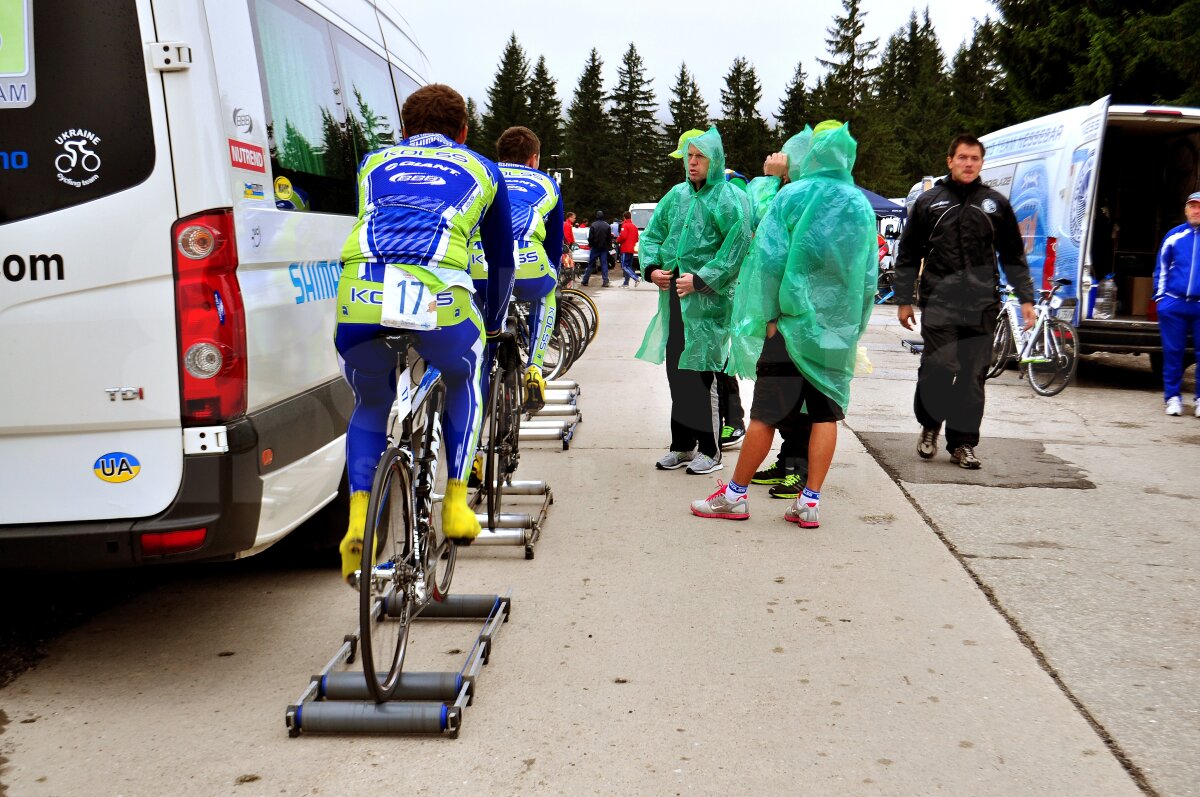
385 608
1002 347
1057 353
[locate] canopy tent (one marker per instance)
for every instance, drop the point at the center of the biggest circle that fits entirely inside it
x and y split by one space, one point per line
883 206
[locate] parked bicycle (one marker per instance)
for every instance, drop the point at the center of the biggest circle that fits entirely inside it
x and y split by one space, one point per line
415 561
1048 353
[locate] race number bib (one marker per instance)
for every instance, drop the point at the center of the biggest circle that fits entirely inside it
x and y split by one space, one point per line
407 303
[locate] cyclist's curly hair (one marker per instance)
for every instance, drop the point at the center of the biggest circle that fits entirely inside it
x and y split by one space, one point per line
517 145
435 108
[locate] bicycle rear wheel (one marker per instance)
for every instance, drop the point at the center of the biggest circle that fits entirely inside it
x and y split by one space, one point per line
437 553
1057 349
385 608
1002 347
493 482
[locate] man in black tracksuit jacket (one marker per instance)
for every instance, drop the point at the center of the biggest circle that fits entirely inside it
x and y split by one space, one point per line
957 228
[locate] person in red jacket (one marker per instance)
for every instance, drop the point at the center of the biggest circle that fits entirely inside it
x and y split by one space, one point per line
568 239
626 244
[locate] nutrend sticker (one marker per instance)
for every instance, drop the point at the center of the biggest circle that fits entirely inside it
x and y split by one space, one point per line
247 156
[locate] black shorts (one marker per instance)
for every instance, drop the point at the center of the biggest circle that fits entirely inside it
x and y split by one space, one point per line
783 398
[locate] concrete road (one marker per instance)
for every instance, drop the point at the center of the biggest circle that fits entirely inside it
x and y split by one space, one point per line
933 637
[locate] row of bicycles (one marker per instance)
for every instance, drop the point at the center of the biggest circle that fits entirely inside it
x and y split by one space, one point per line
407 564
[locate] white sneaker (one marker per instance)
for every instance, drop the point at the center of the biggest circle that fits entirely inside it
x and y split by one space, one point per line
674 459
1197 406
703 463
1174 406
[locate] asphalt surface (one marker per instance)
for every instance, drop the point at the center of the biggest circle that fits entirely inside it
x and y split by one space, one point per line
1026 629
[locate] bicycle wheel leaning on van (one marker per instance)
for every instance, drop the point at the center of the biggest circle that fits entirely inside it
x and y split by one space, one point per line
1002 346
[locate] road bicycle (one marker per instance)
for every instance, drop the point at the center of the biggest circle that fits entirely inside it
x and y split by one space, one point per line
415 560
1048 353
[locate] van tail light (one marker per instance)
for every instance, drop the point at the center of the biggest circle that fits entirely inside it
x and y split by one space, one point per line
212 320
164 543
1049 263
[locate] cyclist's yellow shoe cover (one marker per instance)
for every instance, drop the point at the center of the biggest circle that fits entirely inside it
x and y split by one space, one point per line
535 389
458 520
352 543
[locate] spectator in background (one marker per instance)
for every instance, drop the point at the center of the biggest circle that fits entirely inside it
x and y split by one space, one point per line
627 242
599 242
1177 298
568 238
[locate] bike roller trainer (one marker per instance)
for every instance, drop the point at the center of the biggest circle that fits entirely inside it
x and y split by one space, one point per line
558 418
338 701
517 528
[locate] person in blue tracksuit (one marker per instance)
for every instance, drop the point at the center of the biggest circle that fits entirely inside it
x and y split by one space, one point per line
1177 297
421 202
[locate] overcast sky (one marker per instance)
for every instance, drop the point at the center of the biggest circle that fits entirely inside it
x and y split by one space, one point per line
464 44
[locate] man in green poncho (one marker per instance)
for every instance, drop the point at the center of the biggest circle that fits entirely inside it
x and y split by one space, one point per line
692 250
805 296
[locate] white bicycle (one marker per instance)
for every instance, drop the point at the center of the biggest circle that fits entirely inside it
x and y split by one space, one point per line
1048 353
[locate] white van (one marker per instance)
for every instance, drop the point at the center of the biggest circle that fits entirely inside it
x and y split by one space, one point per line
1095 189
176 185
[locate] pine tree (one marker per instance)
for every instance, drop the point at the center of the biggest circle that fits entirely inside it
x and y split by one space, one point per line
688 111
793 108
637 145
915 119
588 144
508 101
847 92
744 132
545 112
849 78
978 88
474 127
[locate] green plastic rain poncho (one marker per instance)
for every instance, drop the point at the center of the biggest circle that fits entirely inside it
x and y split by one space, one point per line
704 232
812 268
763 189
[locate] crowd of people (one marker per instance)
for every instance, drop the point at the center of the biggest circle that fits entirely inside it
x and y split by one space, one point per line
771 279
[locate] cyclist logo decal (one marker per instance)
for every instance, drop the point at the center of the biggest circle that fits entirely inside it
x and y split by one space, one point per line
78 164
116 467
988 205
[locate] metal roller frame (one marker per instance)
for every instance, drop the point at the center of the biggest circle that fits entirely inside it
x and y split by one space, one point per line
431 704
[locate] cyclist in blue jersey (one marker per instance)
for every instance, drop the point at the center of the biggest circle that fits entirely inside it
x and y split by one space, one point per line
537 228
420 203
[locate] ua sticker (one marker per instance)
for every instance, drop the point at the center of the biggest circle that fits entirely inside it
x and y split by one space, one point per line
117 467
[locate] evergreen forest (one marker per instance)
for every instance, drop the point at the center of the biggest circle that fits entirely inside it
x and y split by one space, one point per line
904 98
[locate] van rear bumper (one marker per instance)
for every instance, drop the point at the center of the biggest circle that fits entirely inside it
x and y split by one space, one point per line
220 493
1119 337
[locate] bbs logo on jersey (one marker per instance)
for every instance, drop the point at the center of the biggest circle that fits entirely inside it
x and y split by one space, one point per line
988 205
116 467
417 179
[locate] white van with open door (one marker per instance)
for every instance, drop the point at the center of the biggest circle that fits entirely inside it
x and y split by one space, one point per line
1095 189
176 184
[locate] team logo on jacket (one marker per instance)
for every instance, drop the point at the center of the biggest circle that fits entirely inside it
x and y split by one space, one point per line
988 205
116 467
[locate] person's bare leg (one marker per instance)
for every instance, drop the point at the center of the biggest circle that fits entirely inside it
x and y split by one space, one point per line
820 453
755 447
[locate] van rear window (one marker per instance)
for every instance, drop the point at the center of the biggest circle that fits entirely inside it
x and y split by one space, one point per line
77 124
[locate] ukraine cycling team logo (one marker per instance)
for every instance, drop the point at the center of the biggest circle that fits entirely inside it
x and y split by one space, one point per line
116 467
78 164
